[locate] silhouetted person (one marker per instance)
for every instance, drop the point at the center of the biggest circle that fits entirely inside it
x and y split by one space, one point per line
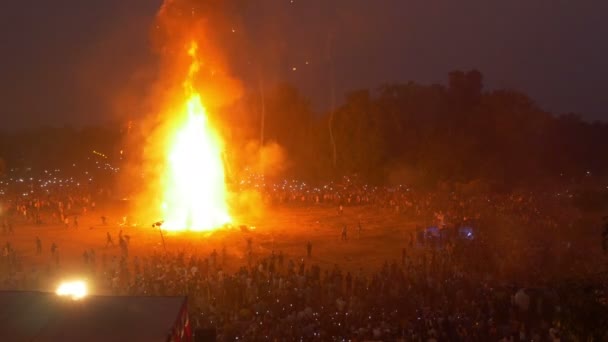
103 220
214 257
38 245
605 235
224 254
281 259
92 256
249 244
109 239
123 245
344 233
309 249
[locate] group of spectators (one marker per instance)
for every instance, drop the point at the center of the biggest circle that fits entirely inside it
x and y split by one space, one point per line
61 207
429 295
467 290
433 207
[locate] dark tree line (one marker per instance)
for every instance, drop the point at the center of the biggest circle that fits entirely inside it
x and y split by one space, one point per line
63 148
402 132
434 133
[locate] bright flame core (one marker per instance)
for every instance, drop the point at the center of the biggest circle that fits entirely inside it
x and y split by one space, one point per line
194 194
74 289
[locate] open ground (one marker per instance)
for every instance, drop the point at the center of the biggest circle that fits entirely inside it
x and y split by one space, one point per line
282 229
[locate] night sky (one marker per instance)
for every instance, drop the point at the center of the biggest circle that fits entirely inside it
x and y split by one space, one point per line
83 62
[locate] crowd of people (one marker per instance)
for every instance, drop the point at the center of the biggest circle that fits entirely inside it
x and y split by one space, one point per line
463 291
63 207
427 296
452 205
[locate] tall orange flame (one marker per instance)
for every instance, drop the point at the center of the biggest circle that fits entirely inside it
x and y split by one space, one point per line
194 193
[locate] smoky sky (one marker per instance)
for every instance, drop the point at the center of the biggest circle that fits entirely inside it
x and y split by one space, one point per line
83 62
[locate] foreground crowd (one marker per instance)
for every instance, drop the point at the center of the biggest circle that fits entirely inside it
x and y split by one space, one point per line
427 296
459 290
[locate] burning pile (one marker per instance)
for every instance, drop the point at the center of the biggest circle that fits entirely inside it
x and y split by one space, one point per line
195 192
185 152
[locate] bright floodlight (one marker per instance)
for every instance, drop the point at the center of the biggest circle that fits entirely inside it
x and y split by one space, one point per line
74 289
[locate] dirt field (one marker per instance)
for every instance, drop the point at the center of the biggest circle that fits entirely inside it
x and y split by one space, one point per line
285 229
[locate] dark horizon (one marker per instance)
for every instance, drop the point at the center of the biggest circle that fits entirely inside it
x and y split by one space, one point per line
72 63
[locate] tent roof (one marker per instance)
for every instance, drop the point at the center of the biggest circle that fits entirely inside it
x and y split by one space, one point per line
39 316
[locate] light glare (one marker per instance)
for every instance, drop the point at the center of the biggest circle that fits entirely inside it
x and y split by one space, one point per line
74 289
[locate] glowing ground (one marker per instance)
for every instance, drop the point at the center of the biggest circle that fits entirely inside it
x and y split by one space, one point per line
285 229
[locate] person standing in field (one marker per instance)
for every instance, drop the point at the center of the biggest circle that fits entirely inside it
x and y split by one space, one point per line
109 239
38 245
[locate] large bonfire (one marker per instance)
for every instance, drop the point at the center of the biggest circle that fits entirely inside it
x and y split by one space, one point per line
191 188
194 194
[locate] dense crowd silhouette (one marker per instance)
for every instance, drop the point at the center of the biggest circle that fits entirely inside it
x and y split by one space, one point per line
495 286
